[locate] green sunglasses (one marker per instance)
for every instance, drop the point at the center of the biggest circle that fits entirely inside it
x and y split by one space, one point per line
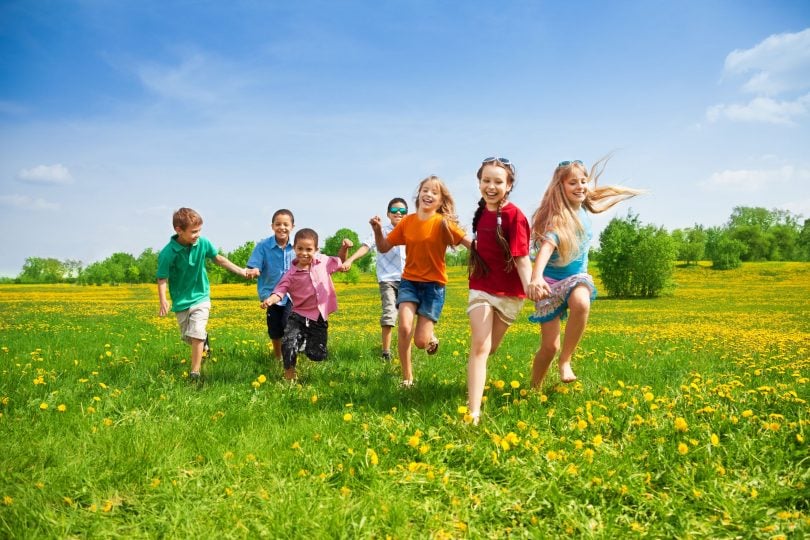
402 211
567 163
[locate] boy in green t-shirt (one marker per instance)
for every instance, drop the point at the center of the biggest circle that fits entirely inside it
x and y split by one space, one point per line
181 265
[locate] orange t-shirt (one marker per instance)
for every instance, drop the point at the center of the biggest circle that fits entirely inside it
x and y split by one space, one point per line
425 246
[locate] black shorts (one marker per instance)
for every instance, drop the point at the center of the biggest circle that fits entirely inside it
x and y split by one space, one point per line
277 319
302 333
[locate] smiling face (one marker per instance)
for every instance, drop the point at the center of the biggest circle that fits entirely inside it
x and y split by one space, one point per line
189 235
396 217
494 185
429 198
305 250
282 225
575 186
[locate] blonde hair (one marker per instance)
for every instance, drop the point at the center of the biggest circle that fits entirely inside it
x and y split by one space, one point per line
556 215
448 207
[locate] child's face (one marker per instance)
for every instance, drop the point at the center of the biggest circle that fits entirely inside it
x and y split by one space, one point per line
575 187
305 250
397 216
430 197
188 236
282 226
494 185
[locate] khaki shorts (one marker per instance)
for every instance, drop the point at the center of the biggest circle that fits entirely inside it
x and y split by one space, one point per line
506 307
193 321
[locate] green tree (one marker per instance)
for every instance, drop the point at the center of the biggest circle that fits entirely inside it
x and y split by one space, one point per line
803 242
147 265
635 260
724 251
42 270
331 247
239 257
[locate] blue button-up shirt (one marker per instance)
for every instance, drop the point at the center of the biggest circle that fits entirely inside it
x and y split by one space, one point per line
273 261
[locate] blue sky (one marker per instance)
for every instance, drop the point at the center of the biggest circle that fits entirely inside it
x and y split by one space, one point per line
113 114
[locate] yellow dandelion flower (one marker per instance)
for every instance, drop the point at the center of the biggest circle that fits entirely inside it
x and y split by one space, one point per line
799 437
748 413
597 440
499 384
588 454
347 417
462 409
681 425
514 384
521 425
582 424
754 493
255 384
413 441
296 445
314 399
155 483
683 448
43 406
649 396
61 407
715 440
372 456
262 379
424 449
8 501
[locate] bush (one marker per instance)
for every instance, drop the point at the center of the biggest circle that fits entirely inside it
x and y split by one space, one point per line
724 251
635 260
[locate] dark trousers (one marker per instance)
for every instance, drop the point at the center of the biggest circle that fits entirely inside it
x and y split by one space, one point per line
307 335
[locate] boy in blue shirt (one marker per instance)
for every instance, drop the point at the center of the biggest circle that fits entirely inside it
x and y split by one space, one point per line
181 266
272 258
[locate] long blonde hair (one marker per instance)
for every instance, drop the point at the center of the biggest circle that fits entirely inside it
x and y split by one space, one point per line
448 207
556 215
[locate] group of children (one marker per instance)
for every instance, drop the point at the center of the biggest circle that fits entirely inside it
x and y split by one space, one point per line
296 289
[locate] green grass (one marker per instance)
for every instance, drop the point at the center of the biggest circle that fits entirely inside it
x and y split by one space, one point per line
689 419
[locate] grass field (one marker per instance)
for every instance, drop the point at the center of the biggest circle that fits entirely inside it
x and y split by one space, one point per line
689 420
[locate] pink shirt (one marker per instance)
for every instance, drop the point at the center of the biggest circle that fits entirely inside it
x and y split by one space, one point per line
311 289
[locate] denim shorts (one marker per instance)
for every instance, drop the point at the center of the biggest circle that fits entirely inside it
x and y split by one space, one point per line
427 295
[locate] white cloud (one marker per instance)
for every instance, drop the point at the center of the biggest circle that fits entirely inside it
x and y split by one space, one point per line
755 180
777 70
46 174
762 109
779 64
26 202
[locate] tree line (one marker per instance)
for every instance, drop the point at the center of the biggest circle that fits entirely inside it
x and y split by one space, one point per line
633 259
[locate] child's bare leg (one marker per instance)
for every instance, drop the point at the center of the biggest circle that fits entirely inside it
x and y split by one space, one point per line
196 354
423 334
481 322
549 345
407 311
579 304
386 332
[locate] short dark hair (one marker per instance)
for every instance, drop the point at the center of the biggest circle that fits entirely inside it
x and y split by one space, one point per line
395 200
283 212
304 234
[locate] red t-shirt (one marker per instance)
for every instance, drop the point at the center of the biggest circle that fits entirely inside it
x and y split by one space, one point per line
515 228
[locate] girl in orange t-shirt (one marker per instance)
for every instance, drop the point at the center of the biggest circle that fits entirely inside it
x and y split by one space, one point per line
426 236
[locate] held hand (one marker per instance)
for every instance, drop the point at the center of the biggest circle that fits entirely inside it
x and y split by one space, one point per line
265 304
345 267
252 273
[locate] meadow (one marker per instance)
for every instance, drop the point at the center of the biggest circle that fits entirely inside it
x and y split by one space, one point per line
689 420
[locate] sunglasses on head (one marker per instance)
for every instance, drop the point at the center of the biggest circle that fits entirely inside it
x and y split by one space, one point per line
567 163
501 160
402 211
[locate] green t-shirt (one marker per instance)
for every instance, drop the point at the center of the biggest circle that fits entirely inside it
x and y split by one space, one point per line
184 267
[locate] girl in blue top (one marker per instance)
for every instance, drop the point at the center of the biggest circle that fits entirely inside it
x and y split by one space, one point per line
560 279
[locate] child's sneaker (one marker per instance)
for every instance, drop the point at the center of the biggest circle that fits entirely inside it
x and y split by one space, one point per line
386 356
406 383
206 346
195 378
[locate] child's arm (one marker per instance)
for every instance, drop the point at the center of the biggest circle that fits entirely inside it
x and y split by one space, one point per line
362 250
270 300
538 288
466 242
382 243
221 260
344 249
164 302
523 265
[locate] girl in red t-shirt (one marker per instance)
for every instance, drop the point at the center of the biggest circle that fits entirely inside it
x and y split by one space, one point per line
499 271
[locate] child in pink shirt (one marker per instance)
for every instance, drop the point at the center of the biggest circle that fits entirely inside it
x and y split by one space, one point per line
309 284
